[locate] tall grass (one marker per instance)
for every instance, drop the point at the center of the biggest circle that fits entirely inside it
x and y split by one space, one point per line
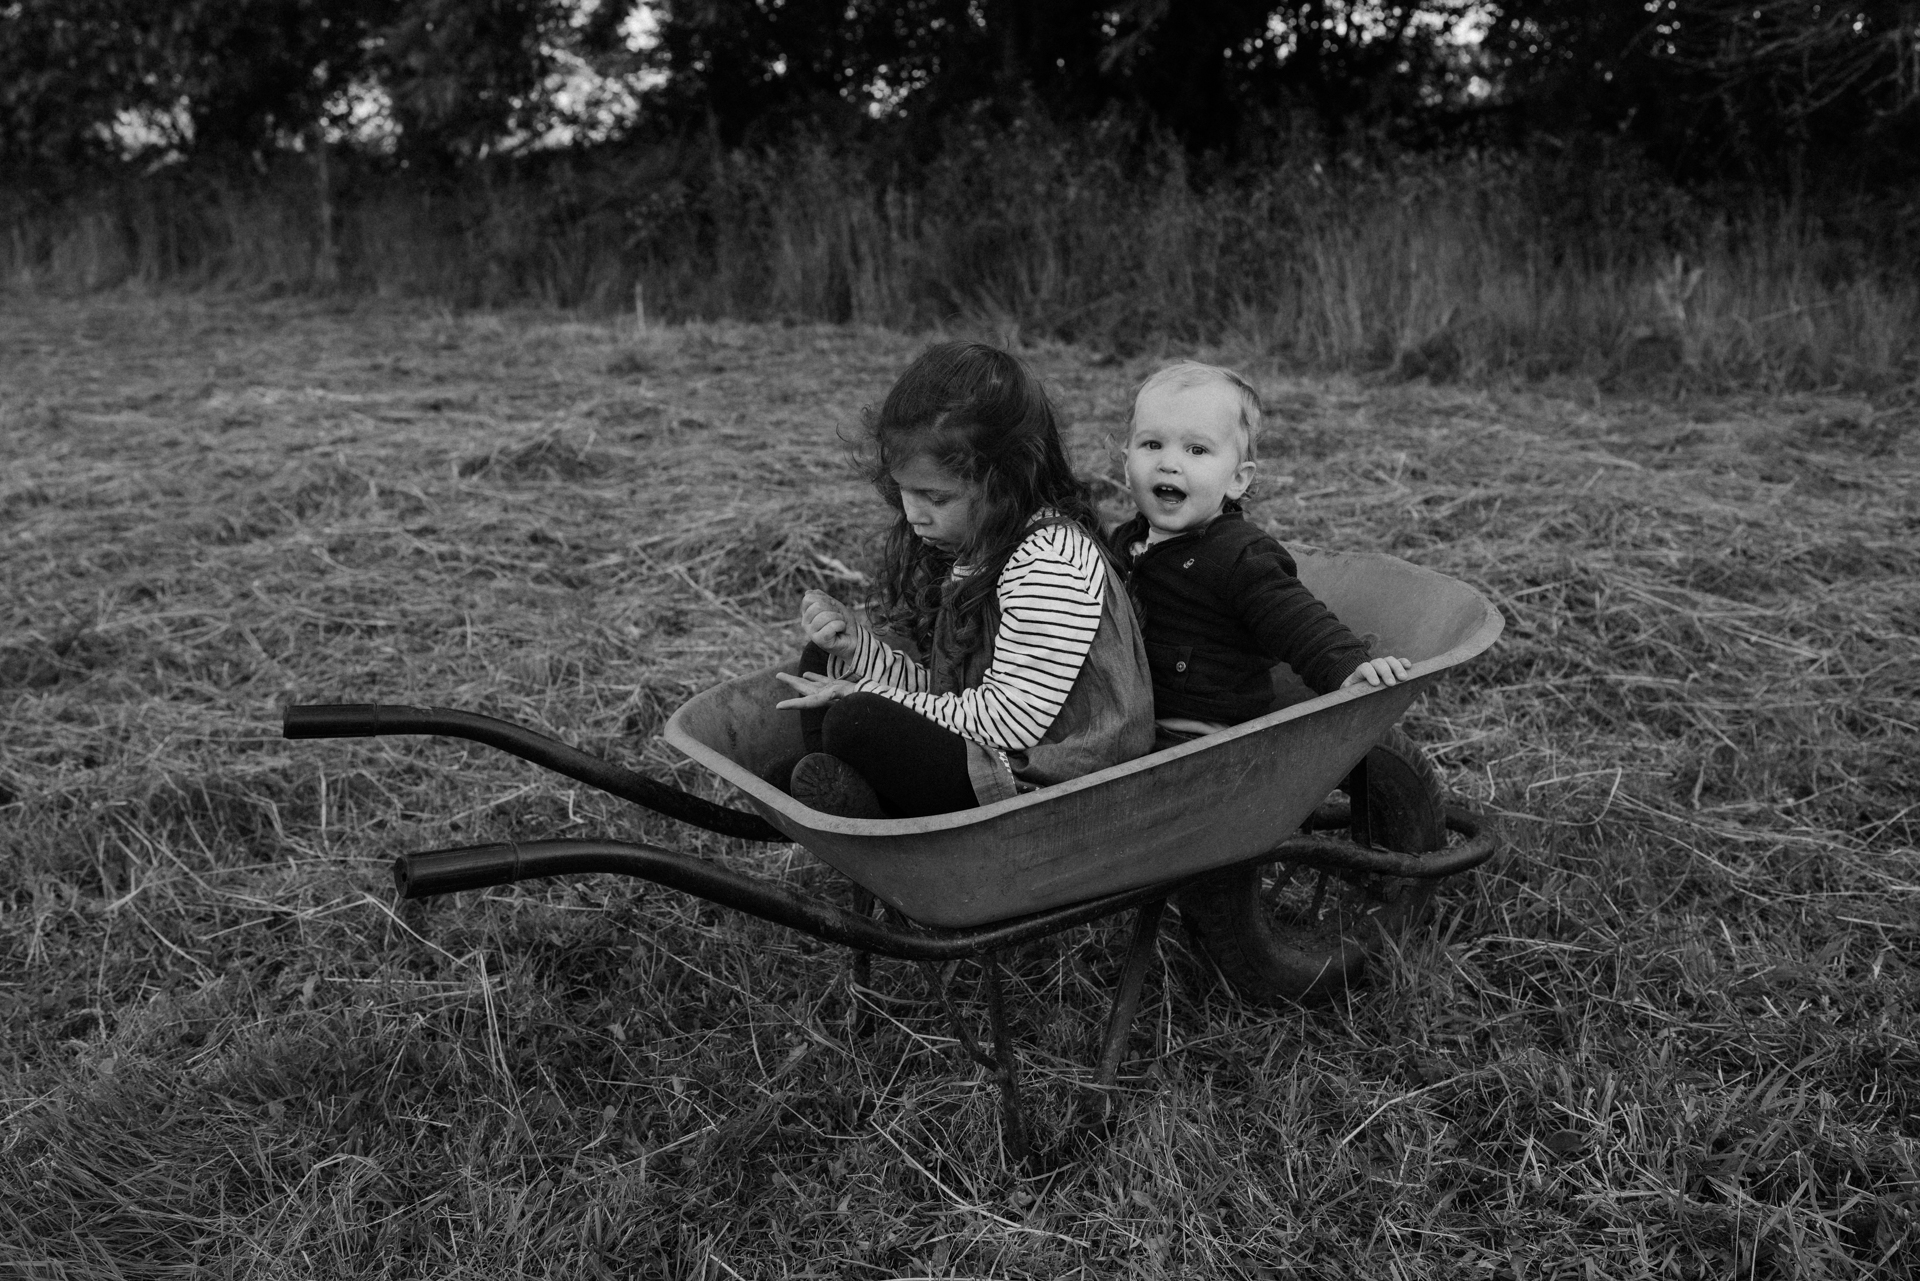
1473 266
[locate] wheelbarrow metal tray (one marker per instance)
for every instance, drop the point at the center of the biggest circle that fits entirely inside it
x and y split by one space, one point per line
1209 803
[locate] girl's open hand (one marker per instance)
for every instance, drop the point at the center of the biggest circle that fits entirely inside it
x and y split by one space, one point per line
829 624
1380 671
815 690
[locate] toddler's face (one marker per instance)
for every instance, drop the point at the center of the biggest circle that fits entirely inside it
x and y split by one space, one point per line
941 507
1184 458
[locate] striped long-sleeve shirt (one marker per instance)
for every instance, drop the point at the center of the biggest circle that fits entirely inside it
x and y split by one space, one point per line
1050 596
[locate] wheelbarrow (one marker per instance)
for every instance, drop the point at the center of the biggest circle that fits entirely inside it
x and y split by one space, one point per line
1286 893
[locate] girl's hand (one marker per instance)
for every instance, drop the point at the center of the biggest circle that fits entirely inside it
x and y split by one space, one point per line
815 690
829 624
1379 671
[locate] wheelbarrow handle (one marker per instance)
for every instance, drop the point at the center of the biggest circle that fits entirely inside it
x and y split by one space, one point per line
342 720
472 867
374 720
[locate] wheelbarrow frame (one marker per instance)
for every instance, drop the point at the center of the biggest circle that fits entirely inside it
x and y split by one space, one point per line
974 883
434 872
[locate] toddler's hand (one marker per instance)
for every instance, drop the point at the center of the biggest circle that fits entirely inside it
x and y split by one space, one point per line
1379 671
815 690
829 624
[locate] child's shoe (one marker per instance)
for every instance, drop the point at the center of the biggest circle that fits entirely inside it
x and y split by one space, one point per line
830 785
780 773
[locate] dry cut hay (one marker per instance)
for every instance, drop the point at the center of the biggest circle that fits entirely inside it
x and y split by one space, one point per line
1671 1033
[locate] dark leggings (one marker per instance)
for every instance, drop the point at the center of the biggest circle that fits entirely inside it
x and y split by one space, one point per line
914 766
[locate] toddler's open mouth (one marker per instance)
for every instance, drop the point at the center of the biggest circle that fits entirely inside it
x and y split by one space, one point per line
1172 495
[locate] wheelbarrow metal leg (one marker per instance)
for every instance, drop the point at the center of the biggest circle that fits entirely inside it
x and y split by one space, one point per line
999 1059
1096 1110
937 984
1126 997
1013 1124
861 981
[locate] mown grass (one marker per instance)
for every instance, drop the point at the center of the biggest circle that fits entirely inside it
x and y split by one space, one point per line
1671 1032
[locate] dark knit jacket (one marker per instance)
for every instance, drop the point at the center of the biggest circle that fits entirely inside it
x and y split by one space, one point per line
1219 606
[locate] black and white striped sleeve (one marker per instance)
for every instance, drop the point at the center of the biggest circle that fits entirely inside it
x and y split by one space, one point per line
877 664
1050 597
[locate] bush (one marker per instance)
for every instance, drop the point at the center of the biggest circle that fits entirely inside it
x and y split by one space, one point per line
1475 265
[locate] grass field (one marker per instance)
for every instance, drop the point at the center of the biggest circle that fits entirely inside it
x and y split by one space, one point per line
1670 1032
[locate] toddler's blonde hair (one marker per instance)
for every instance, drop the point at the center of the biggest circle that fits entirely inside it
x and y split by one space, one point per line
1183 374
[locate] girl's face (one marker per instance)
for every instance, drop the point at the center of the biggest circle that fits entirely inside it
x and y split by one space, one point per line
941 508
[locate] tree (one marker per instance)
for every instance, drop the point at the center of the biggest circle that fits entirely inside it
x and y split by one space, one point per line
1758 89
220 77
230 80
1755 89
465 75
1207 71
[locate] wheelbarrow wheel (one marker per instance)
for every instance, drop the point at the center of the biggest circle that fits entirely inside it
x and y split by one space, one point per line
1280 933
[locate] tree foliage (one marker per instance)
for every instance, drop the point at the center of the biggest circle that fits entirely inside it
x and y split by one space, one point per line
1211 72
232 79
1758 89
1767 90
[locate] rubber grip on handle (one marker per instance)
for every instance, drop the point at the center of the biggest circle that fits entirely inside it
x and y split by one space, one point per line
332 720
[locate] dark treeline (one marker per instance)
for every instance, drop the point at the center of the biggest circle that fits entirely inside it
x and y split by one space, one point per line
1771 92
1341 180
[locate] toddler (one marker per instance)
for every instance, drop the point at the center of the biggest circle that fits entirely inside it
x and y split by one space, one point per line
1028 668
1219 600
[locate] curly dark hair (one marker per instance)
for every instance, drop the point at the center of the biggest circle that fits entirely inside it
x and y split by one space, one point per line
980 414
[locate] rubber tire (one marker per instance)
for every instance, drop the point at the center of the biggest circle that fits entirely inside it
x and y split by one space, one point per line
1274 959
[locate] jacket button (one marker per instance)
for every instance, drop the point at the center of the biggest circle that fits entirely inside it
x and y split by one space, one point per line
1180 666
